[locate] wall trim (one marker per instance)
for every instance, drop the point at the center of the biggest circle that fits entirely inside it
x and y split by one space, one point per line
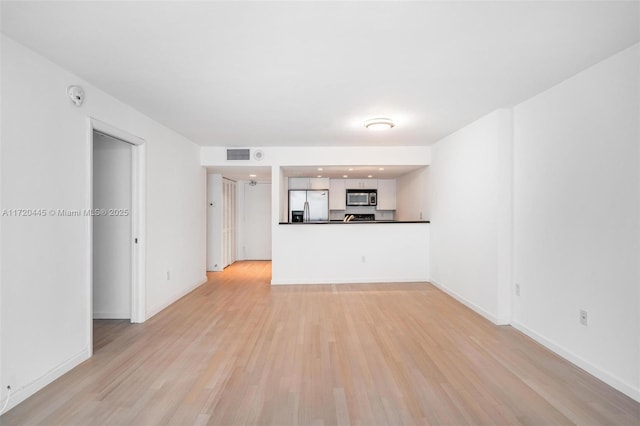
111 315
488 315
174 298
417 280
21 394
605 376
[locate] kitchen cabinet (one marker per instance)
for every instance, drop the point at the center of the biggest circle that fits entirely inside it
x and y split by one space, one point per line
308 183
361 184
337 195
386 194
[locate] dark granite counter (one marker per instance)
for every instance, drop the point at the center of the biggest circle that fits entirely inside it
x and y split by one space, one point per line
340 222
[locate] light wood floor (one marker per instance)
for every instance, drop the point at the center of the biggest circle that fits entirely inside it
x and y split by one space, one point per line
238 351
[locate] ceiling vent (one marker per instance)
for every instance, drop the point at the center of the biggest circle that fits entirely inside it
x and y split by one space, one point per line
238 154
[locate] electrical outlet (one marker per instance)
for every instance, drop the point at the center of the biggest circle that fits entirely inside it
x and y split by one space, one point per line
584 317
517 289
168 275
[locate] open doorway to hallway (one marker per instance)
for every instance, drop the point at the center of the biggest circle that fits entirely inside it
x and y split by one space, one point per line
238 220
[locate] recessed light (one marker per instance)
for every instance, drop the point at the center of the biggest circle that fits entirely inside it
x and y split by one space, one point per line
320 169
345 176
379 124
252 175
319 175
381 168
370 176
350 169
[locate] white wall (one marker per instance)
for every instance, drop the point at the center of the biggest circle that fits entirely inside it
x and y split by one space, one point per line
112 234
412 195
325 156
470 188
577 210
46 280
254 220
214 222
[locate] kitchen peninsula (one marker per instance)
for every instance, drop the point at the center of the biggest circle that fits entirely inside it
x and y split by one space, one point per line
355 252
381 249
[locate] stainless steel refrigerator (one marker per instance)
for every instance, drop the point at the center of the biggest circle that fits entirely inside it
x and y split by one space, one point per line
310 206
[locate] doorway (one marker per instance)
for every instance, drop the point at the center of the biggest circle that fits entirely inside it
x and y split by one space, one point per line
112 228
117 227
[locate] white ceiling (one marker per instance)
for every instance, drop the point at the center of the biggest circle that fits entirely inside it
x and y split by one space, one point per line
309 73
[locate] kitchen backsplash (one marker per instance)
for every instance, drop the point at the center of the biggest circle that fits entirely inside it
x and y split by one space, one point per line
380 214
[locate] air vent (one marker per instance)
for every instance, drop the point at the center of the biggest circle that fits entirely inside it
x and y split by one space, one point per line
238 154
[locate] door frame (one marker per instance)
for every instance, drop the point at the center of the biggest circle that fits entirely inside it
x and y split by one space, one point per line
138 220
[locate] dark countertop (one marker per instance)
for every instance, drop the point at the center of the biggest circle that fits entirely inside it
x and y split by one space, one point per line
340 222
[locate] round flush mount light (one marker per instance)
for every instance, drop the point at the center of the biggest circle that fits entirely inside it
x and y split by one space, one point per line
379 124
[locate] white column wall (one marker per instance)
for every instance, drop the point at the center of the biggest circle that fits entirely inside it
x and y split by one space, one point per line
470 197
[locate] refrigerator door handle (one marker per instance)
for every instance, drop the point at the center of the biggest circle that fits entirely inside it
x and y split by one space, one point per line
305 217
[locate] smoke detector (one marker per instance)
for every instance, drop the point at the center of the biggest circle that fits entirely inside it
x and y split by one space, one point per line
258 155
76 94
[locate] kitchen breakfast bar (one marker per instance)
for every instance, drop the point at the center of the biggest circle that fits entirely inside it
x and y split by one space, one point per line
334 252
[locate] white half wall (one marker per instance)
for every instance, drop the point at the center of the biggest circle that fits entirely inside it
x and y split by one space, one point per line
46 164
470 190
577 210
350 253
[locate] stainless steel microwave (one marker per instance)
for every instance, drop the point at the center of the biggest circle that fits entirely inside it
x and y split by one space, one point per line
362 197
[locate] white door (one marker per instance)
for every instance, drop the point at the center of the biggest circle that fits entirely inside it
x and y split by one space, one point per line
112 230
257 221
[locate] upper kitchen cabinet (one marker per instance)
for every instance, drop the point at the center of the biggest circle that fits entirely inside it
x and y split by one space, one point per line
386 194
337 195
361 184
308 183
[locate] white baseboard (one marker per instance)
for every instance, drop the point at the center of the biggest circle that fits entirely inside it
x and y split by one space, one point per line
111 315
174 297
351 281
488 315
613 381
20 394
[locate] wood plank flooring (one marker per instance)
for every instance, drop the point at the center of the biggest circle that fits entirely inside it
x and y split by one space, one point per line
237 351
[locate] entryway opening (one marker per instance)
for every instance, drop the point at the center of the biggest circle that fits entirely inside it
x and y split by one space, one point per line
116 220
239 217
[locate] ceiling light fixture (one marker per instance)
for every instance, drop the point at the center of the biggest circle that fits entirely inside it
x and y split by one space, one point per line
379 124
252 176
